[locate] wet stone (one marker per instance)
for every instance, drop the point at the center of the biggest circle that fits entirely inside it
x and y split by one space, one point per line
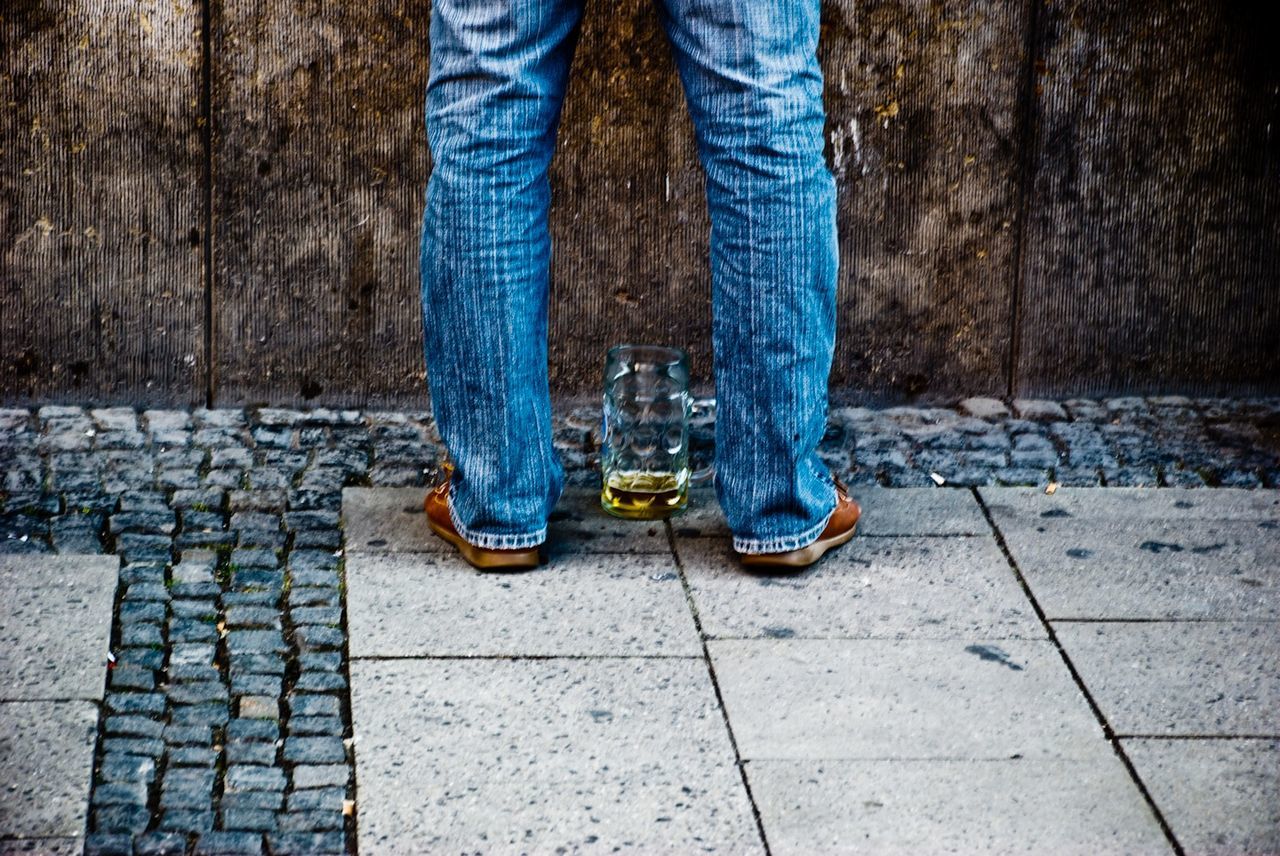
142 658
313 638
326 661
312 560
134 726
251 753
141 635
259 597
242 777
311 821
296 844
315 725
255 558
192 630
266 664
200 714
253 800
125 678
150 703
314 750
253 616
143 612
198 609
191 756
184 735
121 793
323 615
319 776
255 820
319 682
252 729
313 596
243 684
121 818
181 820
313 705
258 580
255 642
259 707
161 844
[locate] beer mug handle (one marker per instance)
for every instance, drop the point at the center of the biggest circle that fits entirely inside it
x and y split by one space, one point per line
702 410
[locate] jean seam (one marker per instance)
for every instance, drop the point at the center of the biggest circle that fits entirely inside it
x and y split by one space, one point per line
784 543
490 541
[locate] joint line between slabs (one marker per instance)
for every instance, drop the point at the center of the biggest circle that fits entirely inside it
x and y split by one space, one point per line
715 685
1107 731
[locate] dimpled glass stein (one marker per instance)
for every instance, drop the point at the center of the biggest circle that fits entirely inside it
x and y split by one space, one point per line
644 457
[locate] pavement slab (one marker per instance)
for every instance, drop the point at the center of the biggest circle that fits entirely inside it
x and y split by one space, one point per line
895 699
1220 797
1150 569
588 755
413 605
919 588
55 623
885 511
392 520
1120 553
949 806
1022 506
1180 678
46 764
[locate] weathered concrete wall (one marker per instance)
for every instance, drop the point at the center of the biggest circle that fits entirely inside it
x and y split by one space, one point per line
101 202
220 199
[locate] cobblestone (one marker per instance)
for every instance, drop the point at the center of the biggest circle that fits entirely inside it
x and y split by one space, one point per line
230 600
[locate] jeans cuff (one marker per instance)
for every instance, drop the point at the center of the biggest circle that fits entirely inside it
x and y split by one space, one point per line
784 543
489 541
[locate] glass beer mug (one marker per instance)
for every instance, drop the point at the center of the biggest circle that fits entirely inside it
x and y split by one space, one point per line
648 410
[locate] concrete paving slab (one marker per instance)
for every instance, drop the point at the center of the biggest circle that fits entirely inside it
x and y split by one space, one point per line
55 625
893 699
1218 796
1013 806
1021 506
402 605
46 761
1150 568
920 588
392 520
1180 678
533 755
885 511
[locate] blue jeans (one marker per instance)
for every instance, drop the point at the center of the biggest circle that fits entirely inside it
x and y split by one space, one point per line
498 72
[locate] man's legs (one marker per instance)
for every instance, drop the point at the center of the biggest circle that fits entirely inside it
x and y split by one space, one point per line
498 73
754 88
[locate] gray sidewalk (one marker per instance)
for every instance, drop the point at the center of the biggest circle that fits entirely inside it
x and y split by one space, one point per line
999 670
219 580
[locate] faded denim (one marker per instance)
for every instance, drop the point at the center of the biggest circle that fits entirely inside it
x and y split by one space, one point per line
498 72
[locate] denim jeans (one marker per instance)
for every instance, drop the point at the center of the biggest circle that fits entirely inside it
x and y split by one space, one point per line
753 86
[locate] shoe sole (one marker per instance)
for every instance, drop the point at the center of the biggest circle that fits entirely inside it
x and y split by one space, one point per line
802 558
478 557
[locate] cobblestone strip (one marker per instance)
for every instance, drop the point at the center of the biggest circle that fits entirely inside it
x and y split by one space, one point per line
226 725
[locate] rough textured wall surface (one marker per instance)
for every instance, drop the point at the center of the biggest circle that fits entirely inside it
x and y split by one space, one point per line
923 116
1038 198
319 166
1152 253
101 202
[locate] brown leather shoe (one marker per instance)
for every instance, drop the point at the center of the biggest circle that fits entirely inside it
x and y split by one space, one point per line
436 505
839 529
